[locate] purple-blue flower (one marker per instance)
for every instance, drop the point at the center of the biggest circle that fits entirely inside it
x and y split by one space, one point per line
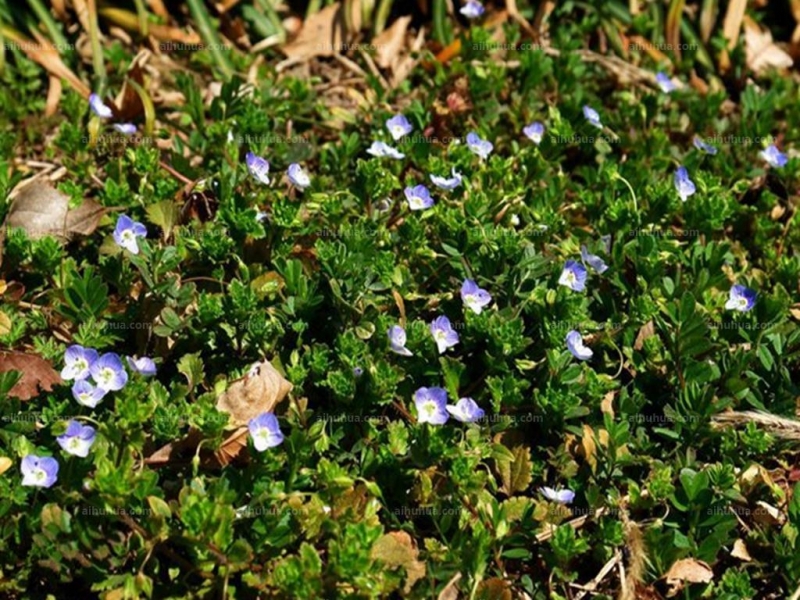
703 146
479 146
144 366
593 261
126 232
397 341
126 128
382 149
445 183
665 83
773 156
683 184
419 198
431 405
443 333
592 116
258 167
77 362
100 109
474 297
472 9
87 394
358 371
108 373
298 177
77 440
741 298
561 496
573 276
265 431
466 411
398 126
534 132
576 347
39 471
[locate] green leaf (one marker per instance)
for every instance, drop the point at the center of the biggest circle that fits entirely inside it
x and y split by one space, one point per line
191 366
516 474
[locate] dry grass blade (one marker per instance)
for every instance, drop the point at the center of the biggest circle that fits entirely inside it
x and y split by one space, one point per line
781 427
46 55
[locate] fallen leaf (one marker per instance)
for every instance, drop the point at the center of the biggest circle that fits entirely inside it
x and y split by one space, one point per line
450 591
762 53
5 323
647 331
589 447
687 570
38 374
128 101
53 96
47 55
740 551
232 447
607 404
255 393
390 43
494 588
321 35
731 27
397 549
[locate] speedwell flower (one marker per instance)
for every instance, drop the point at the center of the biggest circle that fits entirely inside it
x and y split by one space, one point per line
573 276
703 146
87 394
534 132
126 232
382 149
443 333
773 156
39 471
258 167
77 362
398 127
474 297
298 176
665 83
576 347
561 496
472 9
479 146
397 341
592 116
78 439
265 431
108 372
445 183
741 298
144 366
593 261
419 197
431 405
126 128
683 184
100 109
466 411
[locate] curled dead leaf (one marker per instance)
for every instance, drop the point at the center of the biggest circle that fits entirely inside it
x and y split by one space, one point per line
687 570
38 374
396 549
257 392
740 551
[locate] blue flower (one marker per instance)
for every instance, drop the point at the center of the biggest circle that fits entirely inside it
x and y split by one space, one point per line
398 126
298 176
576 347
77 362
593 261
474 297
431 405
126 128
472 9
466 411
701 145
77 440
100 109
573 276
741 298
108 373
592 116
419 198
683 184
773 156
358 371
534 132
478 146
397 341
144 366
382 149
38 471
560 496
126 232
265 431
258 167
87 394
445 183
443 333
261 215
665 83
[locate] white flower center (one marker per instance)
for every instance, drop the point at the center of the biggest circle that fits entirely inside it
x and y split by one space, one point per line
106 375
430 408
570 277
441 335
39 474
397 130
75 443
127 236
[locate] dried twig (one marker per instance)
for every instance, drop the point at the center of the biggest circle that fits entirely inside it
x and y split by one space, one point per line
781 427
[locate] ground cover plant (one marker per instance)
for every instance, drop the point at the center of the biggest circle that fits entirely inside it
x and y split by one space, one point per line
508 314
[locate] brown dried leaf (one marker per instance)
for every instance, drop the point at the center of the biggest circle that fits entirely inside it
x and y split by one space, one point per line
740 551
255 393
647 331
687 570
495 588
450 591
589 447
762 53
607 404
232 447
321 35
397 549
390 42
38 374
45 54
53 96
